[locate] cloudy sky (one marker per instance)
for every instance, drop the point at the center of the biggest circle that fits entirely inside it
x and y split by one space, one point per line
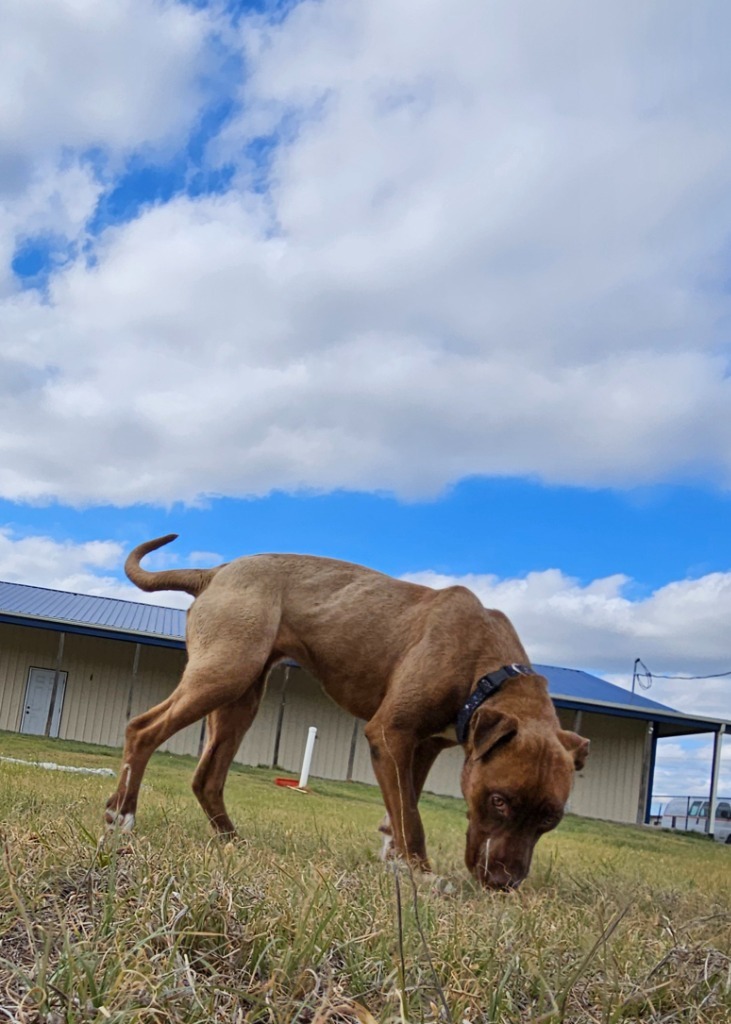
438 287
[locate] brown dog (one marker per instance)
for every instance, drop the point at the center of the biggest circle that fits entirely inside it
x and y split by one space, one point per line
410 660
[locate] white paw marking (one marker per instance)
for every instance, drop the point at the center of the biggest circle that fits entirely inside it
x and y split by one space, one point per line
386 846
124 822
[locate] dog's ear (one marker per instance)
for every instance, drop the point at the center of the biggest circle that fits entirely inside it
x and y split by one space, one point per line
575 745
488 728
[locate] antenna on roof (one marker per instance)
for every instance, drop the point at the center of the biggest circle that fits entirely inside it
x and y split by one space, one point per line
641 675
645 677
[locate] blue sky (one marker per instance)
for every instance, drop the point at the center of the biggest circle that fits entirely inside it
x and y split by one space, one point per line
448 297
508 527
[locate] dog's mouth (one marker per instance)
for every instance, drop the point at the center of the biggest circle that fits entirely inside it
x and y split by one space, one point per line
489 862
498 880
496 876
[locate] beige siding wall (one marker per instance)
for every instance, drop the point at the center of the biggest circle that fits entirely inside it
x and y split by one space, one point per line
158 674
100 675
445 775
362 768
20 652
609 785
96 689
101 681
257 748
305 704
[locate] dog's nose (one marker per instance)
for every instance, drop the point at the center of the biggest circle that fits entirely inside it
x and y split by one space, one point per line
498 878
503 875
501 886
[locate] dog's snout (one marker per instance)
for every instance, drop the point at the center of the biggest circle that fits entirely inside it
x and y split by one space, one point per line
500 880
497 870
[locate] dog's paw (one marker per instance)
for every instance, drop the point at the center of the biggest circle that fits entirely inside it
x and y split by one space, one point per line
115 820
444 886
232 844
387 847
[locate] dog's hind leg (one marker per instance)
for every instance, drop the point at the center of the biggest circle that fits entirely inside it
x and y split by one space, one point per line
205 686
226 728
229 650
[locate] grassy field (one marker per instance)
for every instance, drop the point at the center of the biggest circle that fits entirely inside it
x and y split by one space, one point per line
301 922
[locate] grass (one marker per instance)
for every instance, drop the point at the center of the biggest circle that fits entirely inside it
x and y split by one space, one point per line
300 922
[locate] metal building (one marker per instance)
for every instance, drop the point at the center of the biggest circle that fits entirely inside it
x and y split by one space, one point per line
78 667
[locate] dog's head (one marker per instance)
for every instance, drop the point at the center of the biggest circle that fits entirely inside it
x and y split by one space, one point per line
516 781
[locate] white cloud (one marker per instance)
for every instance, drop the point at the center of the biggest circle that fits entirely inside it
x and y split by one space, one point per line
80 77
91 567
493 242
85 74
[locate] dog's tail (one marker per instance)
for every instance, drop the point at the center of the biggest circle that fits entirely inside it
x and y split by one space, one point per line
192 581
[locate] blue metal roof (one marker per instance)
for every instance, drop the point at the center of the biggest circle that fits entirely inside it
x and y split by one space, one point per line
96 614
154 624
572 688
572 683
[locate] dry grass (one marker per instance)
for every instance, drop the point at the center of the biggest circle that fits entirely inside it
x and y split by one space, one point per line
300 923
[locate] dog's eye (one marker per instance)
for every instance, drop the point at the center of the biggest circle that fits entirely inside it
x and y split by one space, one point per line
499 803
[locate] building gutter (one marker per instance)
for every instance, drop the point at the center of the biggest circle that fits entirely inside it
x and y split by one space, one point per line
670 717
104 632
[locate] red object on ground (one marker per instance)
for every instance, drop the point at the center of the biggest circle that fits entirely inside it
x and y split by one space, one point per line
286 782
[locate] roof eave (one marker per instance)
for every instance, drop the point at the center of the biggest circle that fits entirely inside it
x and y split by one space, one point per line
677 719
87 629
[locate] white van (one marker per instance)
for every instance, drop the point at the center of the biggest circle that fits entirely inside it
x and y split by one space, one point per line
690 814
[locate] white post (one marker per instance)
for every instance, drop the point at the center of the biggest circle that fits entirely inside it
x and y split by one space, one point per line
307 760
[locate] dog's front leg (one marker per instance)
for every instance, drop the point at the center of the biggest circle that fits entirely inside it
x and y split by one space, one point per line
387 842
424 757
392 756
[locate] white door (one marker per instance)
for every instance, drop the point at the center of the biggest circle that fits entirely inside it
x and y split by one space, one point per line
38 695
